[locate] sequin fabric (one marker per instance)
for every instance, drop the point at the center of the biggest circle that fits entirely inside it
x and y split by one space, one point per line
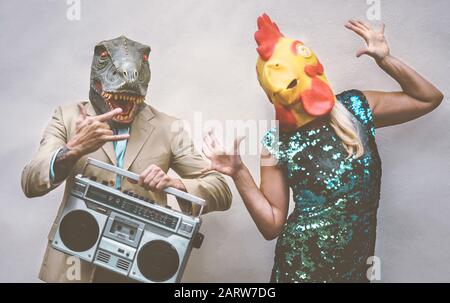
331 232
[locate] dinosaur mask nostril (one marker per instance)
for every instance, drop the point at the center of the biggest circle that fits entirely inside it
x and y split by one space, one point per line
292 84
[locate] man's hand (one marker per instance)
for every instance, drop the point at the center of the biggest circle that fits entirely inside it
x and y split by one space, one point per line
377 46
92 132
155 179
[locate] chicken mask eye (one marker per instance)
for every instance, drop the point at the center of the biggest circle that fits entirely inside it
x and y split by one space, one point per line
299 49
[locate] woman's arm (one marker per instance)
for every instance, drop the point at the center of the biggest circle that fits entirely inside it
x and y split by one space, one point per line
267 205
418 97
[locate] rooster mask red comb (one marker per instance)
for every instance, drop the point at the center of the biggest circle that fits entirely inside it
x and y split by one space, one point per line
292 77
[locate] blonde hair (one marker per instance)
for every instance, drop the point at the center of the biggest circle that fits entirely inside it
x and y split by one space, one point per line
346 128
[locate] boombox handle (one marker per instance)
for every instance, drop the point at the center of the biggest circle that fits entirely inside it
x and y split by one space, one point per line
168 190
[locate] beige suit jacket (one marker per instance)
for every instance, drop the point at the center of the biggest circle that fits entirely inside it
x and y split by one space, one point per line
154 139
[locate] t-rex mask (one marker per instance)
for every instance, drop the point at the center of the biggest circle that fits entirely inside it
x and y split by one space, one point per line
120 74
292 77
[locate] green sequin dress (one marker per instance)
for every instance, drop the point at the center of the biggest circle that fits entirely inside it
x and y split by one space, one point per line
331 233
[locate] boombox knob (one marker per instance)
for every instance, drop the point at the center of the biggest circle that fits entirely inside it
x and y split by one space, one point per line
198 240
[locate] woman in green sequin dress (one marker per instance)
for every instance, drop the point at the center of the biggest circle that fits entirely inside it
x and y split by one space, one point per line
330 235
331 232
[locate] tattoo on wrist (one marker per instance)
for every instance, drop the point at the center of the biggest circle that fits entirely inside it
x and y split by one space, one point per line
63 164
62 154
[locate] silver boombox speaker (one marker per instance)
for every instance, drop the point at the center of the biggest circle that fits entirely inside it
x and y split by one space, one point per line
126 233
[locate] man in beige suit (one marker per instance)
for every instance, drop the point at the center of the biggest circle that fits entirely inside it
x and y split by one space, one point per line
116 127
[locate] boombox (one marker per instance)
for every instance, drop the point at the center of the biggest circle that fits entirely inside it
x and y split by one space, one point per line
126 233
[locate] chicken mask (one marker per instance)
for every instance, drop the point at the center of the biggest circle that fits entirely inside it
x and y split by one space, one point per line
292 77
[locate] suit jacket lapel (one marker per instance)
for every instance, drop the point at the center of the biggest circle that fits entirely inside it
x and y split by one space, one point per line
140 131
108 147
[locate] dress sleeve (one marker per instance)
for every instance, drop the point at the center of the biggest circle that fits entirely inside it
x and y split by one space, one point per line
356 102
273 144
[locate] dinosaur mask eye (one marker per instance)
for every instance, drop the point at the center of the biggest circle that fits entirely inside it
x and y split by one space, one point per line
145 57
104 55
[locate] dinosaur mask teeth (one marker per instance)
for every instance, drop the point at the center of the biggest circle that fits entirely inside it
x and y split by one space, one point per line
123 97
127 102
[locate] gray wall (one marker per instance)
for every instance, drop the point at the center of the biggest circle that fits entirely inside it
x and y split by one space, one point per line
203 60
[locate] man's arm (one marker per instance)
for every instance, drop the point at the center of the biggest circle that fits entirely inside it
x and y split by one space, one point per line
189 165
36 175
47 170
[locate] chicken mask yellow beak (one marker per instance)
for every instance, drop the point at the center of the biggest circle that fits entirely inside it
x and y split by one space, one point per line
292 77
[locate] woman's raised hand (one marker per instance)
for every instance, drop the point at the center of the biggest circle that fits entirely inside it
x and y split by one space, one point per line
376 44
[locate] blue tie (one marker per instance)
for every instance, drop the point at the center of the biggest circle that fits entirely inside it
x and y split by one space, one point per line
119 149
